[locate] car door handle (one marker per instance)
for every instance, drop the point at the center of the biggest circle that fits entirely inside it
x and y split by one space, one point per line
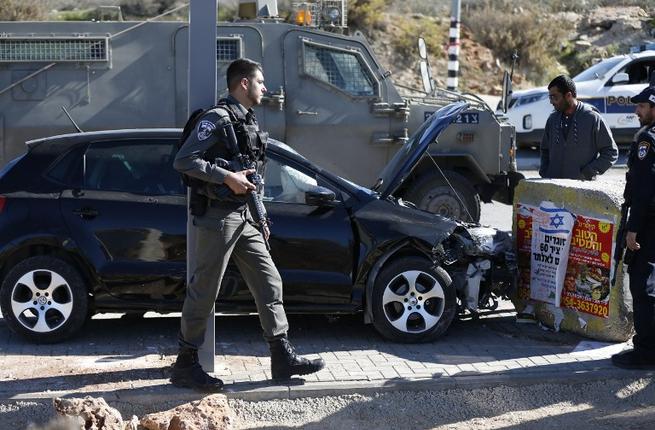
86 213
303 112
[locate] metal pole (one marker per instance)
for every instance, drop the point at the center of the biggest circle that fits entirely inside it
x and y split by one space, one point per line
202 94
453 47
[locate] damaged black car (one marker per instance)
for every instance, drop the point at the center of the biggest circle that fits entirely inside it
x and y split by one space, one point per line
96 222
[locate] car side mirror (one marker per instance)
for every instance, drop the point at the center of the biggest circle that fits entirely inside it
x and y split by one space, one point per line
320 196
620 78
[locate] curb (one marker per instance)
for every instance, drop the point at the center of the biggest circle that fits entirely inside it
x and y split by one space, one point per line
165 393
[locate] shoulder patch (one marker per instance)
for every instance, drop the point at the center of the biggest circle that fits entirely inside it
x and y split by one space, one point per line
205 129
642 149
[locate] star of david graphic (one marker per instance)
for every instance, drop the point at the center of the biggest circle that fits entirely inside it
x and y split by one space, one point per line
557 220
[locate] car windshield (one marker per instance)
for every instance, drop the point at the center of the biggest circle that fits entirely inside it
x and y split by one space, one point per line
598 70
358 187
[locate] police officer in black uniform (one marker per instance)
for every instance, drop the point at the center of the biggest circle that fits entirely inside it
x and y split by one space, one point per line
640 237
221 193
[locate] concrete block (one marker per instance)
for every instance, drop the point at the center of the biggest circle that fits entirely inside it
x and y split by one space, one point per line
582 309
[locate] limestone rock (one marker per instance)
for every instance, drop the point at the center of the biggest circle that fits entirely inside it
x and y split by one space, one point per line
598 199
209 413
92 413
606 17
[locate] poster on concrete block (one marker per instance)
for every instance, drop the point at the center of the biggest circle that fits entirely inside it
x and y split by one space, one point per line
551 238
587 281
523 248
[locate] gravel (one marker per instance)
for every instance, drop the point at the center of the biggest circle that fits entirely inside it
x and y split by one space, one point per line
610 404
616 404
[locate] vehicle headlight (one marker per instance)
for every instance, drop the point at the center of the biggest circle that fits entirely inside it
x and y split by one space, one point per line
526 100
331 15
527 122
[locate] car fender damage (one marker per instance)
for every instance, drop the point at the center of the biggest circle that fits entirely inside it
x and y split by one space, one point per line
479 261
482 263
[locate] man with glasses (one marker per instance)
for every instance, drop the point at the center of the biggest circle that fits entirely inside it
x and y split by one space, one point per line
577 143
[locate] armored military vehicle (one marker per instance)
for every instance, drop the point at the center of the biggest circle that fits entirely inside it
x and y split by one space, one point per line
328 97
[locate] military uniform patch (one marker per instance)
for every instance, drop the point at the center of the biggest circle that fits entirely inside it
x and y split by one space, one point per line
642 149
205 129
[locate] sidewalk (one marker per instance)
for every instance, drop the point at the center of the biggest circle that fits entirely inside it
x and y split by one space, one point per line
128 359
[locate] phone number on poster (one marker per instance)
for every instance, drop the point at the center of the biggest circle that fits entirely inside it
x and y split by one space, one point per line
584 306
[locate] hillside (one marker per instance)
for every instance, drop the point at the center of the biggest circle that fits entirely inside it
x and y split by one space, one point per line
551 36
574 42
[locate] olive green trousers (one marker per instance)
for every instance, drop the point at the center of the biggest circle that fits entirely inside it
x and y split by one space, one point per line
220 235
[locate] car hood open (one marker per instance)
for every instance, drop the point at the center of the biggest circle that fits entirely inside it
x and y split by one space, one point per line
402 164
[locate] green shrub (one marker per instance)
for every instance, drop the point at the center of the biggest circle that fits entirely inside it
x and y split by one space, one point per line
405 42
145 8
538 38
76 15
22 10
365 15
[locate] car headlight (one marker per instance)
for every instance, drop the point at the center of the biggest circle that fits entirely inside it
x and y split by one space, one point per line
532 98
527 122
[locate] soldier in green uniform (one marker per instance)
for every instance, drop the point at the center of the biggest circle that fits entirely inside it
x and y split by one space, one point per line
640 237
226 228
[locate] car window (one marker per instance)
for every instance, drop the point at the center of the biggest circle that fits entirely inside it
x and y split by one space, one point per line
598 70
639 72
67 168
345 70
284 183
134 166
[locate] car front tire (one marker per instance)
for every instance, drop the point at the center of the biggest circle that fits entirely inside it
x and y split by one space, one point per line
44 299
413 301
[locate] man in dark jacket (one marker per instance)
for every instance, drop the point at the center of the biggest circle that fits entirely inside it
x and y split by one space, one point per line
577 143
640 239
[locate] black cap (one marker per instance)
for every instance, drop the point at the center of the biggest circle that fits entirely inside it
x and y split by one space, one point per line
647 95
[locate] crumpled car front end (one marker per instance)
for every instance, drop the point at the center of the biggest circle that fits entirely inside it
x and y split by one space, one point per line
482 264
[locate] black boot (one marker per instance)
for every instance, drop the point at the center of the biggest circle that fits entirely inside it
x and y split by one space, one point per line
187 373
633 359
285 362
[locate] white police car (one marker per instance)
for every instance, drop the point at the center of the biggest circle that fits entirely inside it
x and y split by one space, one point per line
607 85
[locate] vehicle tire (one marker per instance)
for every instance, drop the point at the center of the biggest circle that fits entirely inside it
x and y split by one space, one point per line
432 193
44 299
413 301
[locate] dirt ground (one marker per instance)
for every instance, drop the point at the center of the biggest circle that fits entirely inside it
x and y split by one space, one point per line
615 404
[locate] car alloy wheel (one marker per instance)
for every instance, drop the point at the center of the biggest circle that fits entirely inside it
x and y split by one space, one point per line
413 301
43 298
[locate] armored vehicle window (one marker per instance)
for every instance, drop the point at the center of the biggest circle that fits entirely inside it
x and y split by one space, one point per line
343 69
53 49
228 49
137 166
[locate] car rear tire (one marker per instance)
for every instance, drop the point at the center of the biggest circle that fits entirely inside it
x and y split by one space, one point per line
413 301
44 299
433 194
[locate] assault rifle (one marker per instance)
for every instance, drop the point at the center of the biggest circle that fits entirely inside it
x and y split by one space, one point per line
619 247
238 163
